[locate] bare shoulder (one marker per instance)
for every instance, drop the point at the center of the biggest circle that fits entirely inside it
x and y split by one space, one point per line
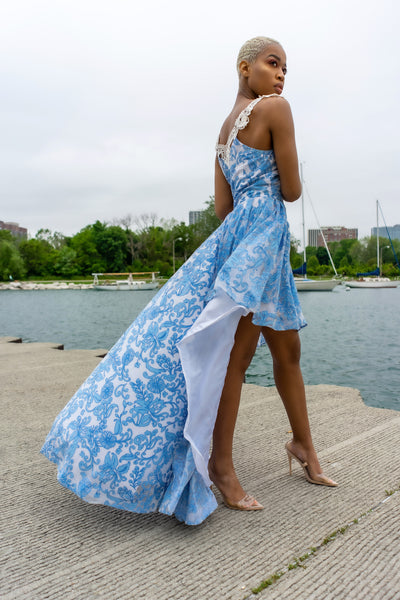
274 107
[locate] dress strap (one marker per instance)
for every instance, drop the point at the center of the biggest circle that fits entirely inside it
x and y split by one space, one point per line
223 150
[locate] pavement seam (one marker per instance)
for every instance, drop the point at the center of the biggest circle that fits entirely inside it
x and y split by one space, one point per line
300 560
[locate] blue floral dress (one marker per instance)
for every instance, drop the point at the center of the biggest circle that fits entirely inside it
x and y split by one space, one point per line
137 433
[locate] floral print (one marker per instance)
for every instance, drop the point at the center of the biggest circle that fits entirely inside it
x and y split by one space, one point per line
120 440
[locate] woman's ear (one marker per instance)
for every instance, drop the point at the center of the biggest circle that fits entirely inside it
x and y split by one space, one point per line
244 68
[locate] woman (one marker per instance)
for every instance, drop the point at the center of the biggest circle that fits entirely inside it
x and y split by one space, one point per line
137 433
265 143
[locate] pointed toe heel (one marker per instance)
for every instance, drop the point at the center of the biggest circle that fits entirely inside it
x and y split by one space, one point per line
322 479
246 503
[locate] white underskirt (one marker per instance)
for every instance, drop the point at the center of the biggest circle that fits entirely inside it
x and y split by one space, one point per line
204 353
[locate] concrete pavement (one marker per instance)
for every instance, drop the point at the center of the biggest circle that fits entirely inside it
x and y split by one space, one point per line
56 546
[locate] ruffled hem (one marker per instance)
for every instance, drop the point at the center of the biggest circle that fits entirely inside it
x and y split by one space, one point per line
185 490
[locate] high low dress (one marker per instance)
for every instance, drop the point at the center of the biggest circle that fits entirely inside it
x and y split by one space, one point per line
136 435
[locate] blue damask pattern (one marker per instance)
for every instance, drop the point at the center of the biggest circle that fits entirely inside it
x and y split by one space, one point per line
119 441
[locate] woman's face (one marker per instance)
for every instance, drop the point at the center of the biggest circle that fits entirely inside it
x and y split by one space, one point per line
266 75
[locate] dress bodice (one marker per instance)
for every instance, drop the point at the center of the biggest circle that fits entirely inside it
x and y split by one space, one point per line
248 170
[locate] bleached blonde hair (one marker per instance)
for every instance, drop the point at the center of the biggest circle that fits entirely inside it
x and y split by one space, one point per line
252 48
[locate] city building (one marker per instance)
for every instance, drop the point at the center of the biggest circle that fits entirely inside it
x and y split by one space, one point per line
195 216
394 232
331 234
14 228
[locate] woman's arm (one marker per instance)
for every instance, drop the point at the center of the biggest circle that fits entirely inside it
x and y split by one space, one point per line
284 145
223 194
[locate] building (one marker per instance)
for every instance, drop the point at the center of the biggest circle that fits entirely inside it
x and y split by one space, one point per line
394 232
331 234
195 216
14 229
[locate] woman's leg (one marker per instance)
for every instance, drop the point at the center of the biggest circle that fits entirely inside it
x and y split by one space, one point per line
285 350
221 468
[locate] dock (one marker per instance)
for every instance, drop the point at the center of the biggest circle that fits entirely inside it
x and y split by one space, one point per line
310 542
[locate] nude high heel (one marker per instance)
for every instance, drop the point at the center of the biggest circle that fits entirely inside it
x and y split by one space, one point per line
322 479
246 503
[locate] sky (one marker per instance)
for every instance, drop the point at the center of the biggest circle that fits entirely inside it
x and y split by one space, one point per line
112 108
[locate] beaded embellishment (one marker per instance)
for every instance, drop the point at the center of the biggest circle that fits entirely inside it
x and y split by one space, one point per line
223 150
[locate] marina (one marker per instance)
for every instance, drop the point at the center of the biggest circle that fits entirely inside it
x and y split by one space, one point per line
351 338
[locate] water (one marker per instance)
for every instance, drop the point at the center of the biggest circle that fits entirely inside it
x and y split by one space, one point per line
353 338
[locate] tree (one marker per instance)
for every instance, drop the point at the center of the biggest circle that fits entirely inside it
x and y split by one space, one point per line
11 263
296 259
56 240
7 236
88 259
111 244
37 255
322 255
312 265
208 223
132 238
65 263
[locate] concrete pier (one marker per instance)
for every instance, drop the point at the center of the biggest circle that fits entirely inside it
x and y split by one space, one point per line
310 542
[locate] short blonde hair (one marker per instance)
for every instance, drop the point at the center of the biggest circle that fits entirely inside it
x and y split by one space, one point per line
252 48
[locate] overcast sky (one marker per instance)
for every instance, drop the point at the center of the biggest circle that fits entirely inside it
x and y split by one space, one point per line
113 107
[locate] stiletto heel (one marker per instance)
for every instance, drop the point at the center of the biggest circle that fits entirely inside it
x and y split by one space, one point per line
246 503
323 479
290 463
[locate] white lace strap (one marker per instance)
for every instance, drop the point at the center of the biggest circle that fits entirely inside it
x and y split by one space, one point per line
223 150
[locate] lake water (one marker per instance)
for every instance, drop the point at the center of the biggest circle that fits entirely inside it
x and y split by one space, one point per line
352 338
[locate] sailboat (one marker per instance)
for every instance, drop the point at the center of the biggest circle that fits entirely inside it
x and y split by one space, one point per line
373 278
303 284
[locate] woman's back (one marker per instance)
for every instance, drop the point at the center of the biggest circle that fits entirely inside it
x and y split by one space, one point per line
248 170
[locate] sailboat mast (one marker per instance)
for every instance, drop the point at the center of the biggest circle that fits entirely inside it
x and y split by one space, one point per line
304 223
377 237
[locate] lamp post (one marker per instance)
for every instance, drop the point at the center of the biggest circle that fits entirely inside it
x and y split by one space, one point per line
381 263
179 239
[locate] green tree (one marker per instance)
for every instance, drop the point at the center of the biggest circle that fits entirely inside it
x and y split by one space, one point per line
11 263
111 244
322 255
296 259
312 265
37 256
65 263
208 223
88 259
56 239
7 236
311 251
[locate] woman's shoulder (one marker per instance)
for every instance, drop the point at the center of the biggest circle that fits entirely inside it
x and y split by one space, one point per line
273 109
272 103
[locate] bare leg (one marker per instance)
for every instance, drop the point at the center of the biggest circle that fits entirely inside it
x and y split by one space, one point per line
285 351
220 466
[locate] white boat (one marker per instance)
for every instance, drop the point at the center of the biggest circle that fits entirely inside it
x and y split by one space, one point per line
372 282
315 285
373 279
129 284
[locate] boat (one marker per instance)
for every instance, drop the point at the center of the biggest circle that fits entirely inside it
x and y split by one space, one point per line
304 284
372 282
373 279
315 285
129 284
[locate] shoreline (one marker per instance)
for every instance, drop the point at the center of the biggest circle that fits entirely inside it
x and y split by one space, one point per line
54 285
